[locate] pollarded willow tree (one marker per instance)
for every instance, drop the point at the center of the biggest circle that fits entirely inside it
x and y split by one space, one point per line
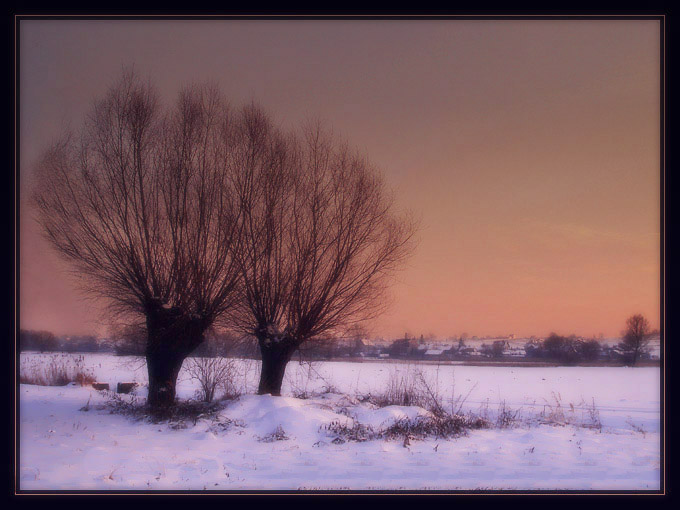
139 203
320 238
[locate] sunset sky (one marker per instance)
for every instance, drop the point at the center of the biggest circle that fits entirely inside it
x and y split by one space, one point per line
528 149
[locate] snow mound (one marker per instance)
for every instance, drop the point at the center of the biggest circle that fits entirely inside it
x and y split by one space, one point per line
384 417
299 419
308 419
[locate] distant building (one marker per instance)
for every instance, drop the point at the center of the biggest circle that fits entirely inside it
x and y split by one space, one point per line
434 353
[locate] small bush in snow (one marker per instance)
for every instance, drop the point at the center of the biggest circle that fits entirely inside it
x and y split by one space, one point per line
358 432
211 374
125 404
278 435
303 379
506 417
559 415
437 426
422 427
554 413
192 411
593 417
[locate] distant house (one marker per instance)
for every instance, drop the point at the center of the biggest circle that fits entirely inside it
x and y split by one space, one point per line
515 349
533 348
434 352
466 351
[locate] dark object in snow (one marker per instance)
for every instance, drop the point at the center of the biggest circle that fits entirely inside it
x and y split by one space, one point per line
86 407
278 435
100 385
125 387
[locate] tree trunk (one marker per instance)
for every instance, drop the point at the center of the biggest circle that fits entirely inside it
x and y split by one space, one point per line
275 357
171 337
163 367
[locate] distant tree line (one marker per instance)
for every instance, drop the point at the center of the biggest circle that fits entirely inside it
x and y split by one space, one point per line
130 340
46 341
566 349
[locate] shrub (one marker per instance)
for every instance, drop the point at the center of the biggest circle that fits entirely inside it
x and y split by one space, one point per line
558 415
211 374
300 379
437 426
593 417
404 388
278 435
411 388
506 417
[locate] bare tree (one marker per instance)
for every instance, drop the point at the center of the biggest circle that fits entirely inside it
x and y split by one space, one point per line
636 337
139 204
320 239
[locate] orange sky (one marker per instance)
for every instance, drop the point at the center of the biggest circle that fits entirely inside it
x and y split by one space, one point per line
529 149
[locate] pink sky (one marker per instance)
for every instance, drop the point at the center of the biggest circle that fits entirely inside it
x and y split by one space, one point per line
529 149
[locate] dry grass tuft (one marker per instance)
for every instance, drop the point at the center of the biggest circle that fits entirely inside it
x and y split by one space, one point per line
60 370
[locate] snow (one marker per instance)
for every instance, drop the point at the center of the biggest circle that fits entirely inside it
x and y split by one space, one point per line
302 418
64 447
382 418
434 352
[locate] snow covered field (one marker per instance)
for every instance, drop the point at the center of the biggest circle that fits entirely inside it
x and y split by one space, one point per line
62 447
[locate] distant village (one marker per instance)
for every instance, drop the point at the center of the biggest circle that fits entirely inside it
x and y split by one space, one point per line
552 348
555 348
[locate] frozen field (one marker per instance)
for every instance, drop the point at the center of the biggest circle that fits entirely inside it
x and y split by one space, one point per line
62 447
